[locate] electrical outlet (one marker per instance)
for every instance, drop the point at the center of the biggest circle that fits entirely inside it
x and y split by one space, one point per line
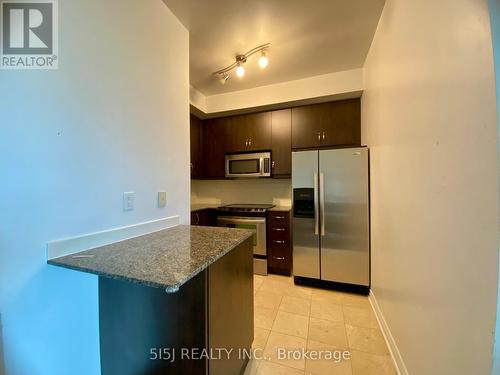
128 200
162 199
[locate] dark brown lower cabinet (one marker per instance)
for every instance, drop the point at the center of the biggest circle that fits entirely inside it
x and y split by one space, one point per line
279 243
206 217
144 330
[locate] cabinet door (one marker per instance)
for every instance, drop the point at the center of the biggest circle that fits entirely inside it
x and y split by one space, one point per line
259 130
341 124
196 138
305 127
327 124
281 142
237 137
250 132
209 217
215 141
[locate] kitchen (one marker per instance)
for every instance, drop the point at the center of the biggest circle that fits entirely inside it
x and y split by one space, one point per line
259 146
258 188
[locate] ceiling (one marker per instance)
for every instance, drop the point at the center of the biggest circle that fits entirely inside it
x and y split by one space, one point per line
308 38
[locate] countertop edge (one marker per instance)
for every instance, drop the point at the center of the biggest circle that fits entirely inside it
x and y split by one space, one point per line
169 288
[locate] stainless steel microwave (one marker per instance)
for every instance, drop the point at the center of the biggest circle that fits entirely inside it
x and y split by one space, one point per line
248 165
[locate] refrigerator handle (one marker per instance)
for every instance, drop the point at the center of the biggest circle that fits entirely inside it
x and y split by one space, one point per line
322 201
316 208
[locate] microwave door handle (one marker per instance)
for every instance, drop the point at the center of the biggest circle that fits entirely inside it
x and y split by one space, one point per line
316 208
261 162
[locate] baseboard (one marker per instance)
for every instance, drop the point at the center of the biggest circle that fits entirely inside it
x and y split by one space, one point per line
68 246
389 339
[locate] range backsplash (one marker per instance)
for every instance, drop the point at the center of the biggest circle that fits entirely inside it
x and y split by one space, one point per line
274 191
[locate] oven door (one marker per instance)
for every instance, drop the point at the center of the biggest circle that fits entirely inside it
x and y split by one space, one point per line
248 165
256 224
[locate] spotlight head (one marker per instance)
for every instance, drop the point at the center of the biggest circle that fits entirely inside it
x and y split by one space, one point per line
263 60
223 78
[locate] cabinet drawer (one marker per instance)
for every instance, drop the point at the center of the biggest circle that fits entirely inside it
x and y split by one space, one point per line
278 261
279 219
278 233
279 245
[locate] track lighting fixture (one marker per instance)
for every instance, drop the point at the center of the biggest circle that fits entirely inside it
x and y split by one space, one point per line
240 60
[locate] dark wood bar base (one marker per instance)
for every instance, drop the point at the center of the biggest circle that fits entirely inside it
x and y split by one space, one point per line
142 327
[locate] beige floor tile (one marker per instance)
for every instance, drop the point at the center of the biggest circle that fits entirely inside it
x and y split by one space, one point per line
257 282
267 299
260 336
264 317
326 295
275 286
368 340
299 292
360 316
291 324
281 278
295 305
324 365
280 341
271 368
356 300
328 332
252 367
327 311
372 364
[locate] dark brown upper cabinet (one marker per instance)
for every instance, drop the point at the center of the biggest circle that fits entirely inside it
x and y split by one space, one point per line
281 143
327 124
249 132
216 139
312 126
196 137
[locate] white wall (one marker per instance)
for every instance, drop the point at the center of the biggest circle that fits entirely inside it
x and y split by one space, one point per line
495 33
277 191
197 100
113 118
330 86
429 118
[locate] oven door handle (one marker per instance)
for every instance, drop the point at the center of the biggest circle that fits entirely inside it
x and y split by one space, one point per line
241 220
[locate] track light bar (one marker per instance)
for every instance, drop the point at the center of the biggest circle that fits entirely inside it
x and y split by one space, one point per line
223 74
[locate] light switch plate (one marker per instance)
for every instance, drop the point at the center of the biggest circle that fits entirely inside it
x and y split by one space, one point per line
128 200
162 199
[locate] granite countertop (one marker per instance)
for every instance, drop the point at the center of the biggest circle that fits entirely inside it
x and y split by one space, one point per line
203 206
164 259
281 208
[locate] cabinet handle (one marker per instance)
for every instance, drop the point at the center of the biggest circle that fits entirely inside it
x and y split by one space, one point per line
279 217
246 142
197 218
279 241
273 164
278 229
250 141
319 136
324 136
192 166
278 258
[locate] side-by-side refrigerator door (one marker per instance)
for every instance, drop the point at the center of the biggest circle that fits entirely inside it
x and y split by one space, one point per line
306 257
344 210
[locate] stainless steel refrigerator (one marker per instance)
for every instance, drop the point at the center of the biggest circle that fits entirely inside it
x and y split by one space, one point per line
331 234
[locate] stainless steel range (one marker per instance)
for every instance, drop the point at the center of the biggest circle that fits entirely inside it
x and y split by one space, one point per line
251 217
